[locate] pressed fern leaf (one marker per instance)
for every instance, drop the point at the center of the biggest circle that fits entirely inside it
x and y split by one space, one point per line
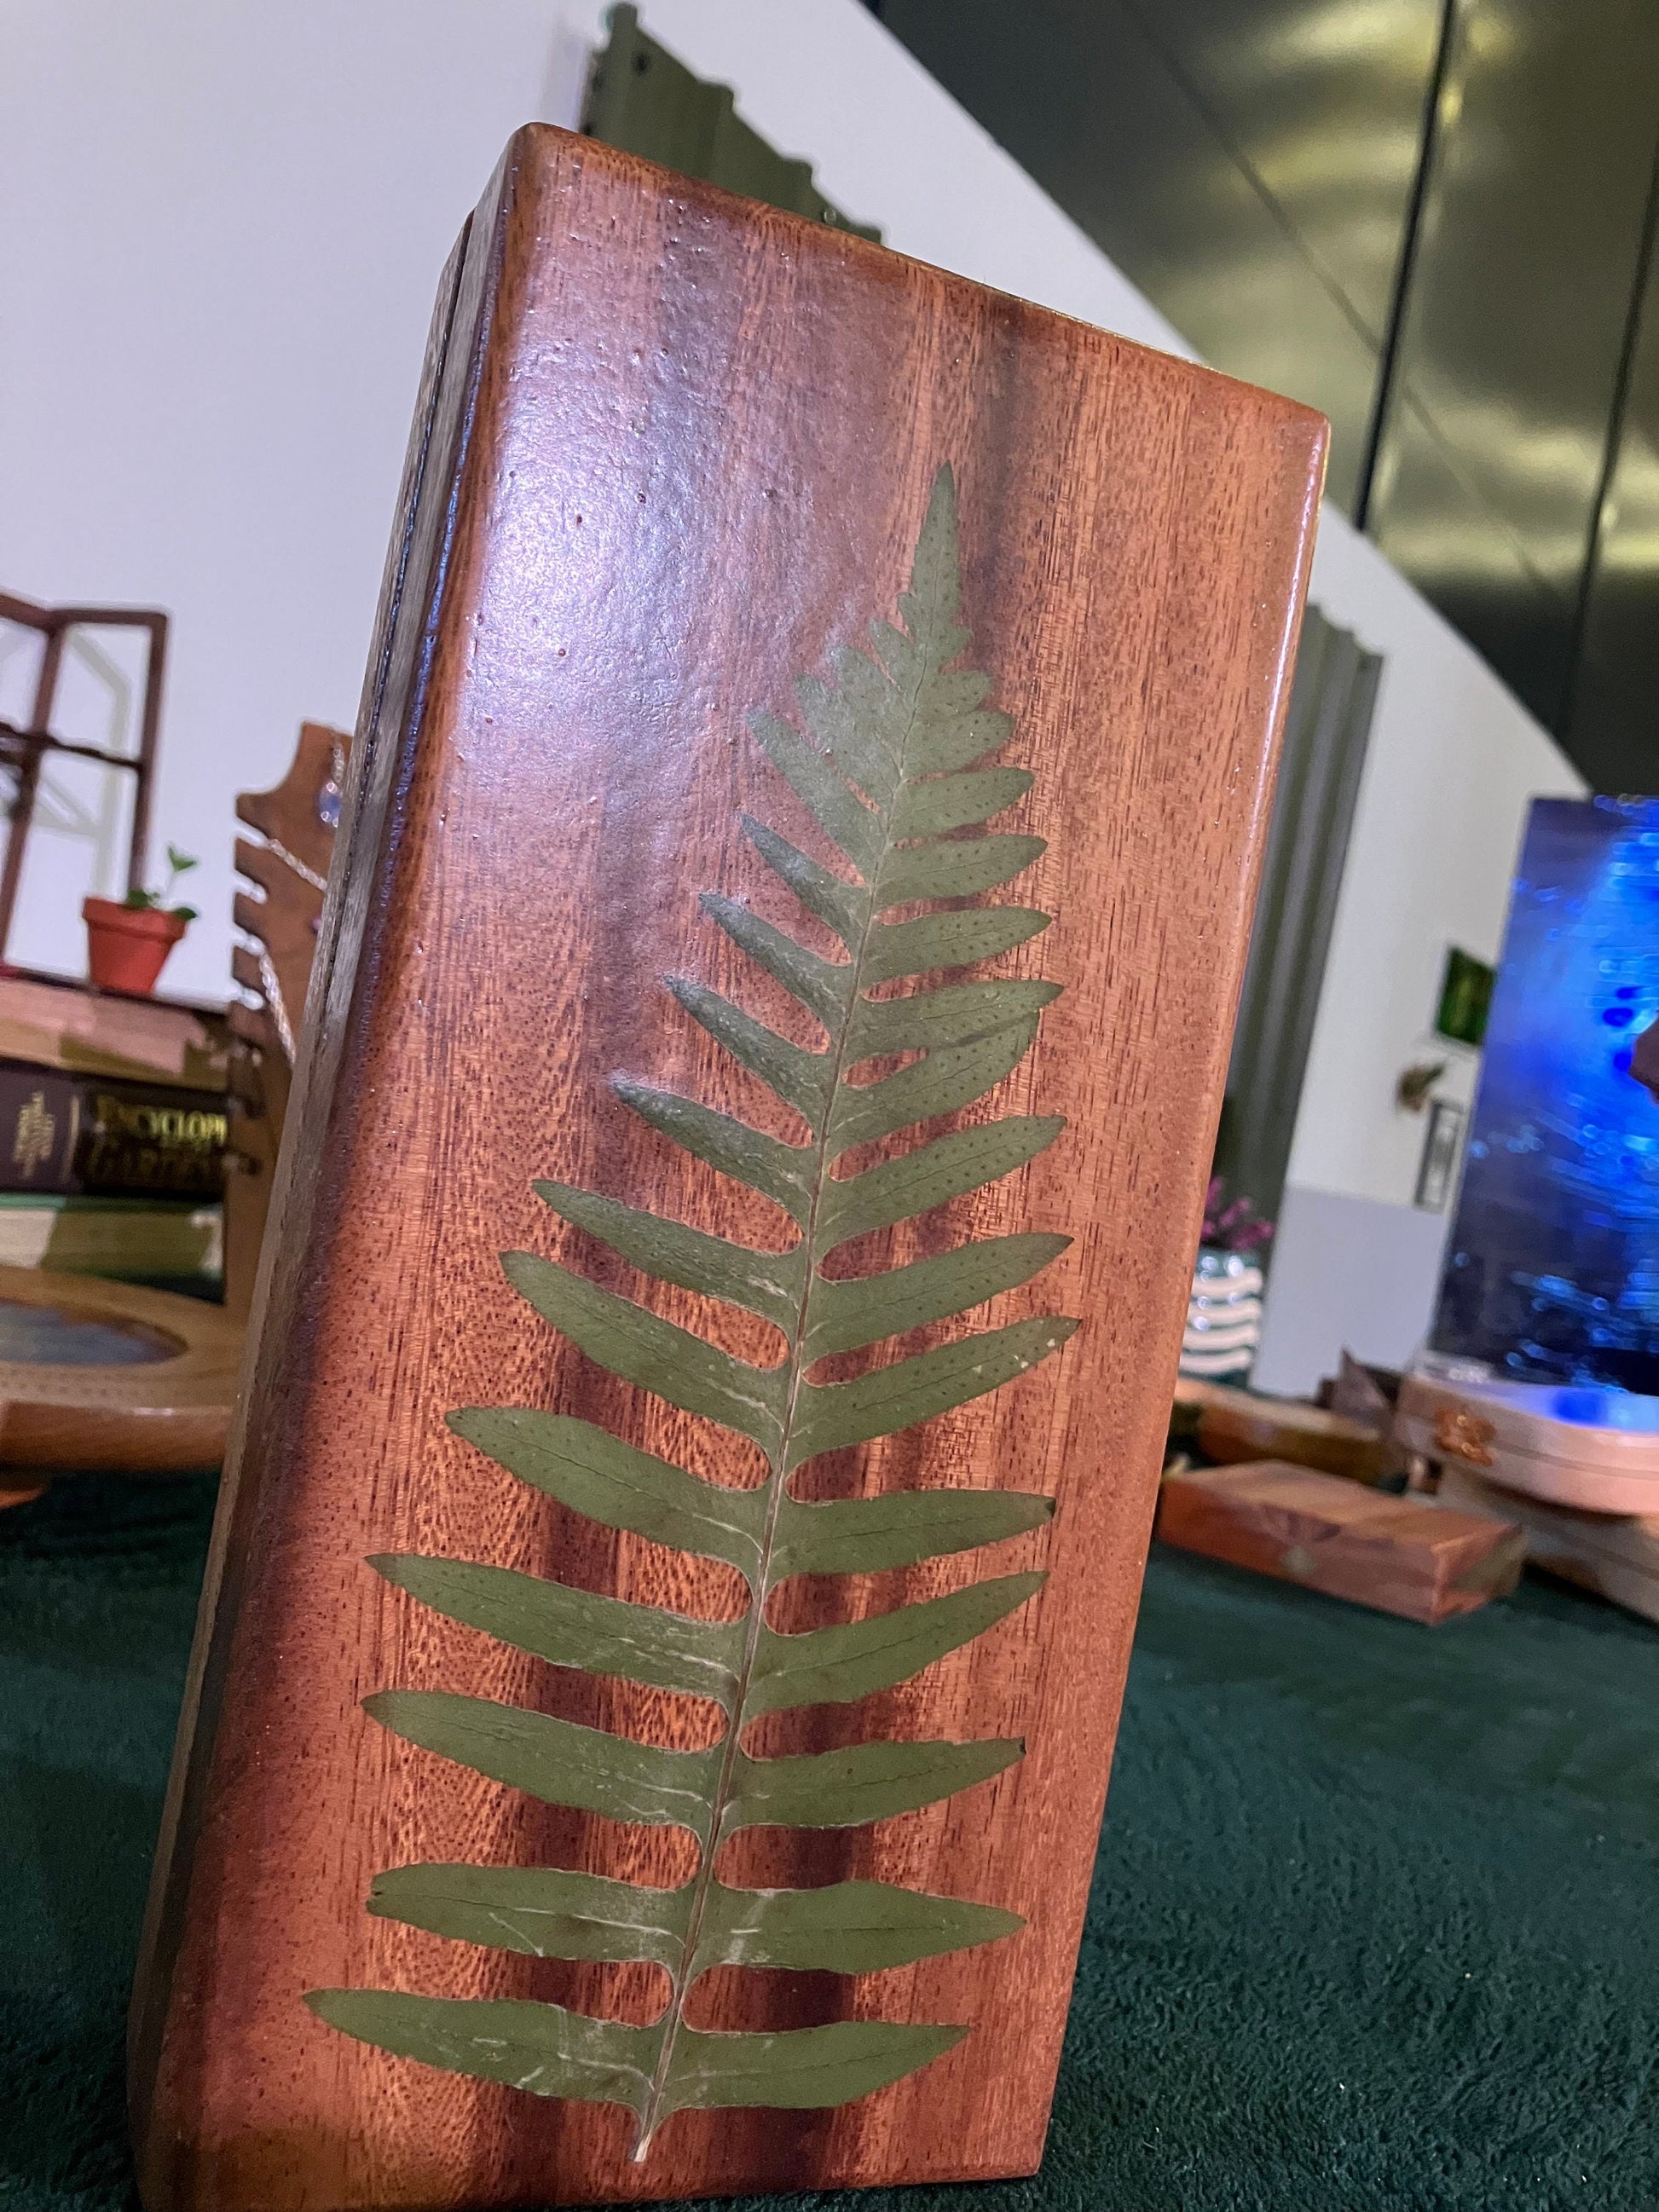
895 778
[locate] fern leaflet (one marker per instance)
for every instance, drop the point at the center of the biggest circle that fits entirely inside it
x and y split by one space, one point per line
898 772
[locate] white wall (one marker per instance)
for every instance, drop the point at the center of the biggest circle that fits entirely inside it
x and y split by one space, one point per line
224 225
1454 757
232 221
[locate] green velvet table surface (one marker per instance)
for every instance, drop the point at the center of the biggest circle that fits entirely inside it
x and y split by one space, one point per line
1375 1923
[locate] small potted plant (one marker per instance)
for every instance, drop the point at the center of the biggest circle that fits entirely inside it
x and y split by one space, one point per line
128 940
1224 1315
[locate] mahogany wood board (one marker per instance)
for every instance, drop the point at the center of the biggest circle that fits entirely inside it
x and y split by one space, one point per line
1396 1554
674 449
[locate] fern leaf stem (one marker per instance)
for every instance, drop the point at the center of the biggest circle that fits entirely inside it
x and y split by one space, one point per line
844 1055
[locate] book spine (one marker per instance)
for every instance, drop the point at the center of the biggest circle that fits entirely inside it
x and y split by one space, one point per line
68 1135
39 1126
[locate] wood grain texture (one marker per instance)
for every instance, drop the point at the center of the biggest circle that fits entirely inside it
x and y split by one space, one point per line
1399 1555
168 1416
674 449
1234 1426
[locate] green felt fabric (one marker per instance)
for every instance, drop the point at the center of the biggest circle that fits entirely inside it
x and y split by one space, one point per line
1376 1923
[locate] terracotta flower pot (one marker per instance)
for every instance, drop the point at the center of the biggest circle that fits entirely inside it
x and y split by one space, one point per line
127 946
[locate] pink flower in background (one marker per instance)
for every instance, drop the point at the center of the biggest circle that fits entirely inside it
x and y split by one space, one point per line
1233 1228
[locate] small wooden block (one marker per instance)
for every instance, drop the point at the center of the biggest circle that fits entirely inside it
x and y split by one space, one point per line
1235 1426
1397 1554
1615 1554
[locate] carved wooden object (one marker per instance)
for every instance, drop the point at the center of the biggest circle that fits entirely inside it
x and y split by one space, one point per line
169 1416
296 822
676 452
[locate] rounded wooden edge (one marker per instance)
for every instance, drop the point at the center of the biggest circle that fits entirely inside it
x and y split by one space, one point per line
1612 1472
1244 1427
165 1417
1600 1494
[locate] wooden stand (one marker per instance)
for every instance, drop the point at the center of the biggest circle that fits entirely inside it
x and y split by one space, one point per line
1615 1554
677 452
296 823
26 751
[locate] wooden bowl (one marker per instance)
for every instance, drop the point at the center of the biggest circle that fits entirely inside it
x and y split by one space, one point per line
143 1383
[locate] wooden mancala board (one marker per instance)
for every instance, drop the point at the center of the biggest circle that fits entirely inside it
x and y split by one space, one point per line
803 827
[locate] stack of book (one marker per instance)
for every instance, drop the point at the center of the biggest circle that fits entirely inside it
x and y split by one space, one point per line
112 1132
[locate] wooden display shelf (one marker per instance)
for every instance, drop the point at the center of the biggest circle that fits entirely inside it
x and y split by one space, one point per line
57 1022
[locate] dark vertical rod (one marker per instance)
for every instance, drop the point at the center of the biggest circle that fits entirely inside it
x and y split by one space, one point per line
45 682
1388 366
149 739
1646 272
28 778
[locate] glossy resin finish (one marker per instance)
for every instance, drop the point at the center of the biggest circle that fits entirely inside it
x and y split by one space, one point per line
674 450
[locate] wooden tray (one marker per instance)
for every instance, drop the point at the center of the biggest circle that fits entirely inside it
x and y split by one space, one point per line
677 452
168 1415
1596 1450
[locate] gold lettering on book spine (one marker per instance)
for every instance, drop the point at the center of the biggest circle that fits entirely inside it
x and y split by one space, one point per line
32 1139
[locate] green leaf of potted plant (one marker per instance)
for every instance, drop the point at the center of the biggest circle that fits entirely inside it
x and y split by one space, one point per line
128 940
